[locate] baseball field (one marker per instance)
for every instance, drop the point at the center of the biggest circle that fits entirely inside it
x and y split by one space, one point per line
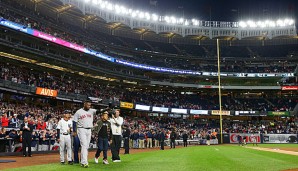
217 157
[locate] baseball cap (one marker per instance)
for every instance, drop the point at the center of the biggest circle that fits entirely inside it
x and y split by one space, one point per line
87 101
67 112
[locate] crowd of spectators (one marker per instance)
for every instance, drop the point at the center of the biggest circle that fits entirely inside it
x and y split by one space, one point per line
72 84
74 34
44 120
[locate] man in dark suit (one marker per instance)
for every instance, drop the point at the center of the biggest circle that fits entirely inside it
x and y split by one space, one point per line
126 135
162 139
173 137
185 137
26 132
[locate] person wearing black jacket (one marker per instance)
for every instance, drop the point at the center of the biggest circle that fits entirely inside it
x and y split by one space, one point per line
126 135
173 137
162 138
26 132
185 137
208 137
104 132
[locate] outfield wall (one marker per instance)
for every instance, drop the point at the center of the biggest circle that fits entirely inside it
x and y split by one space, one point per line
261 138
231 138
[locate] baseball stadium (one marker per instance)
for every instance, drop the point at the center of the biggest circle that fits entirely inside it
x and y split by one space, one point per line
137 85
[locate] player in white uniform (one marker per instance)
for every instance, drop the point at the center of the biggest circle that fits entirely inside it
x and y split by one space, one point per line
83 123
64 138
253 139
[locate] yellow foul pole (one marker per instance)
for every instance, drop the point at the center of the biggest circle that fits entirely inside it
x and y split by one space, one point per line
219 91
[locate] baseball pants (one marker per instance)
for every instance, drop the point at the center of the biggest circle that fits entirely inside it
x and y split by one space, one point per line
76 146
65 141
85 138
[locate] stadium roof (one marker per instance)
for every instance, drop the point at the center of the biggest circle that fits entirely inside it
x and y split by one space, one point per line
216 10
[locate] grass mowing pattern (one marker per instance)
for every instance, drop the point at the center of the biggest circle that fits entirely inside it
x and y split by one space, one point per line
223 158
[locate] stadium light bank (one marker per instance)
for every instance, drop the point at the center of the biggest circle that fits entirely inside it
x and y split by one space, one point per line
142 15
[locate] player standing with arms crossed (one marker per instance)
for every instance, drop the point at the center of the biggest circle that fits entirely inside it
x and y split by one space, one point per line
64 138
83 122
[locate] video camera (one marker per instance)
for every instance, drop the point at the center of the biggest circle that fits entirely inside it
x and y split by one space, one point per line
110 109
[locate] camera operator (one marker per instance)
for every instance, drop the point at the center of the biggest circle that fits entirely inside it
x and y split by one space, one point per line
116 123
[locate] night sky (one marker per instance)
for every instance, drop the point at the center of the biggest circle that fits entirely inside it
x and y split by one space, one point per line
220 10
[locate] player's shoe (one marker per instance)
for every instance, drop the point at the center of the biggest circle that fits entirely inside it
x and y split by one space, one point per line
96 160
116 161
70 162
105 162
85 165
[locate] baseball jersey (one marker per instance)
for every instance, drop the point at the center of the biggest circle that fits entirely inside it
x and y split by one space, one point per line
253 137
116 128
84 119
64 126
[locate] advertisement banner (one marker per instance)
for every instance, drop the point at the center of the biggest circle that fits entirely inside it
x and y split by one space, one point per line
280 138
53 39
160 109
126 105
58 41
198 112
246 113
16 26
217 112
176 110
281 113
248 137
289 88
142 107
46 92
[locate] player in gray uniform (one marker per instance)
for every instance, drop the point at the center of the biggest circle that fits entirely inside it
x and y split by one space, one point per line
64 138
83 122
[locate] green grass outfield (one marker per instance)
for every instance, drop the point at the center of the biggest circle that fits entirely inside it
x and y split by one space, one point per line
196 158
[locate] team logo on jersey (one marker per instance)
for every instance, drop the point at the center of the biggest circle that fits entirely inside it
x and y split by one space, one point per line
85 116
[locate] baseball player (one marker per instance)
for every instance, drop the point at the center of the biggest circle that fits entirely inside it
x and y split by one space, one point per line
64 138
82 124
253 139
